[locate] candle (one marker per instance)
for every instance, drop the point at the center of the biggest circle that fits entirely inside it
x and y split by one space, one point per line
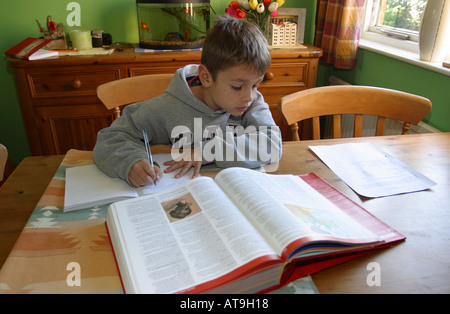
81 39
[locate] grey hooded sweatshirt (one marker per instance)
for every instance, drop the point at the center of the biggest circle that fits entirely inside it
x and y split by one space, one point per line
177 116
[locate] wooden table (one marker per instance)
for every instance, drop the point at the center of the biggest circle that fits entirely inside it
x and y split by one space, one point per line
19 196
421 264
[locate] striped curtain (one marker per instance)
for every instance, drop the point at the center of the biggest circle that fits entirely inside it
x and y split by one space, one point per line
338 29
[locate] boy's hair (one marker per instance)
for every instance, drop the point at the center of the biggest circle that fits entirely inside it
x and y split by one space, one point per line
233 42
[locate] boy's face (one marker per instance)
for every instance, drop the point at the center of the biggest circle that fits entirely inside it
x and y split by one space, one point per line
233 89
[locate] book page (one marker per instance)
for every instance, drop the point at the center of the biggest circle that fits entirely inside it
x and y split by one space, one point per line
43 53
194 229
87 186
284 208
167 180
369 171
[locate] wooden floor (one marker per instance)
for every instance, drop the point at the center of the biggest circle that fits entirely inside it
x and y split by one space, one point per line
13 216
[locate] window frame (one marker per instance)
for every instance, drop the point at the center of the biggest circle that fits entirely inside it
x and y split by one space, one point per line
395 37
403 50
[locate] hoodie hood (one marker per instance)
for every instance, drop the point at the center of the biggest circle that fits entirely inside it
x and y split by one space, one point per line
178 88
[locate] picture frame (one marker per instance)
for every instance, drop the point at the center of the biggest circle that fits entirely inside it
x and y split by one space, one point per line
297 15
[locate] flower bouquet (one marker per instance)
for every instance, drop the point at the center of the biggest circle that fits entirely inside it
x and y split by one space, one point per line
255 11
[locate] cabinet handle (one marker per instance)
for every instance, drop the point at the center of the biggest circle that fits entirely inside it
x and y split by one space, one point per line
268 76
76 83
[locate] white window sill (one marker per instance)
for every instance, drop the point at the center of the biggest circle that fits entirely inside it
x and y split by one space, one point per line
402 55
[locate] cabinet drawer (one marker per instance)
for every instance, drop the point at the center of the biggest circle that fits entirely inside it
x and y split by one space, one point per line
292 74
69 83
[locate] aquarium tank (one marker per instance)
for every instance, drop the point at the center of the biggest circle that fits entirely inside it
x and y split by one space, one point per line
172 24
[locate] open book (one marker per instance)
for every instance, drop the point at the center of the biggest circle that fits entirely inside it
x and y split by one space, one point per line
31 49
244 232
87 186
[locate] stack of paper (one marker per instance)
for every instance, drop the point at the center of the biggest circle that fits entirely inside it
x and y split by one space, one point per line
369 171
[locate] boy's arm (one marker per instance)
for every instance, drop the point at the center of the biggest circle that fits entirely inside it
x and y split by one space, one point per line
120 146
255 143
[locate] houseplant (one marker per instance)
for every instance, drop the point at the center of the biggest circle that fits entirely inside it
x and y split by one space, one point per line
255 11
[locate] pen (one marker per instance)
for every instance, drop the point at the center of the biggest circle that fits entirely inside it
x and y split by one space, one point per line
65 50
147 148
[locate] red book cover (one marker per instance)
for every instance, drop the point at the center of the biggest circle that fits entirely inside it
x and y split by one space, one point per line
312 265
27 49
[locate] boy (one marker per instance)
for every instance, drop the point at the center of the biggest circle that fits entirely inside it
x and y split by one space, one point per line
219 98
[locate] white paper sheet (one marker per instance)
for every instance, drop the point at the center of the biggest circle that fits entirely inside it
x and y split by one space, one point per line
369 171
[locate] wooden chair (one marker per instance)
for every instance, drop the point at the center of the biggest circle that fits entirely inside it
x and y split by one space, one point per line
351 99
3 159
131 90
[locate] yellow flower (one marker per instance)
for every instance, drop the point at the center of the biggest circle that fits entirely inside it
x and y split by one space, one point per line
280 2
253 4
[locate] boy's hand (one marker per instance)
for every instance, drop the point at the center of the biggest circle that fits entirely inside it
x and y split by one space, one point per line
185 162
142 173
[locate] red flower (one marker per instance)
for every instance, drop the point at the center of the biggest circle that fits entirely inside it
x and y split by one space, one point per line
235 10
240 14
230 10
267 2
235 5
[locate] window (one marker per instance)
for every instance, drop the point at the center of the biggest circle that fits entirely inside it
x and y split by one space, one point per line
398 18
391 27
394 22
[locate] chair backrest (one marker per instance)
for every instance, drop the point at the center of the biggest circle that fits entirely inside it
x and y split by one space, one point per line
3 159
351 99
131 90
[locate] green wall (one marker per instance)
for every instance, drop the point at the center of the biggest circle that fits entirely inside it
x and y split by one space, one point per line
118 17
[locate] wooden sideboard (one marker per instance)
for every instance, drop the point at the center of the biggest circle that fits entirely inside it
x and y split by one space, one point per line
61 110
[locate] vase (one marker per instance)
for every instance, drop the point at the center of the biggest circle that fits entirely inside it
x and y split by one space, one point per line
258 21
435 25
